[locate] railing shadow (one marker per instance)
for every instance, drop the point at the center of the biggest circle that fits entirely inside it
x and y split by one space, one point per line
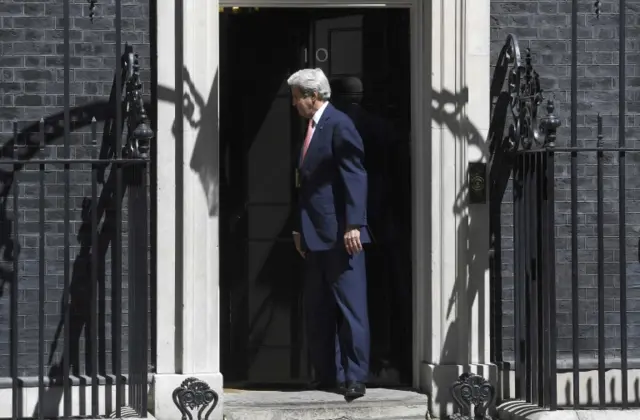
497 150
193 107
80 300
471 220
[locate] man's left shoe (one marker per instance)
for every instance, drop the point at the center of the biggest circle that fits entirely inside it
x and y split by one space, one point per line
355 390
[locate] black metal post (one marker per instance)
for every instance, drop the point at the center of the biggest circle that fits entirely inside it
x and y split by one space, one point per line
601 288
95 349
526 270
622 202
137 147
551 272
535 199
575 302
548 128
16 409
67 214
537 296
117 245
518 277
41 273
545 286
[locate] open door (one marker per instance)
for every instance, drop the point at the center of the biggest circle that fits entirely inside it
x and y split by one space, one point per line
263 335
260 269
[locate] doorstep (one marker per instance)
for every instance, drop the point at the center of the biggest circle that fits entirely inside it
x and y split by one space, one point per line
378 404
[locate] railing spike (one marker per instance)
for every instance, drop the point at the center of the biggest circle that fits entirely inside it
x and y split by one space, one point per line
600 132
92 8
42 133
140 132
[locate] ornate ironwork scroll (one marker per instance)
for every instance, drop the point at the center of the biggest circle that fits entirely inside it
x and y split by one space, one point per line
474 395
92 9
525 96
194 394
597 6
139 130
523 85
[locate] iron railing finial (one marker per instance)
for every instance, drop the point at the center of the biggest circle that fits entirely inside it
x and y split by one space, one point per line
140 132
549 124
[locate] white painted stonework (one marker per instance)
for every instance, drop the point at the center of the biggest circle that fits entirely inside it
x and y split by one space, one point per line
187 236
450 114
457 324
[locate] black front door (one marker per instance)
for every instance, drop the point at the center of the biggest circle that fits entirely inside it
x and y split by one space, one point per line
263 339
259 267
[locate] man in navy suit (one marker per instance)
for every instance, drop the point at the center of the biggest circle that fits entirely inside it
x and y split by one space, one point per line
331 229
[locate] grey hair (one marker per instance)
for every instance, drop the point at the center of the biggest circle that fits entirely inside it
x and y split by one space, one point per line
310 81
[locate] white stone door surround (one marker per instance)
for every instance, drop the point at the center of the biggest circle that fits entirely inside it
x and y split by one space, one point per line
450 73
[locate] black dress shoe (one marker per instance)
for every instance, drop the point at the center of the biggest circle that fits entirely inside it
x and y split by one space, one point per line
355 390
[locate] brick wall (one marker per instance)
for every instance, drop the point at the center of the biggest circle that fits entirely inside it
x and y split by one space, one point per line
32 87
545 27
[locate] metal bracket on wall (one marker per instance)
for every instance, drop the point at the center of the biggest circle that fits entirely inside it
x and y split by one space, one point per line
477 181
194 394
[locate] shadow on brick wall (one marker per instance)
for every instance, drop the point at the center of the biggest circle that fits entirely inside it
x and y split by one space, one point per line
80 288
470 284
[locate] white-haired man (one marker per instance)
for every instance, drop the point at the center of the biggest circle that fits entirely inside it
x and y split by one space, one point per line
331 228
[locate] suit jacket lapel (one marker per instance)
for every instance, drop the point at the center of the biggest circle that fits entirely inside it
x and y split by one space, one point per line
318 135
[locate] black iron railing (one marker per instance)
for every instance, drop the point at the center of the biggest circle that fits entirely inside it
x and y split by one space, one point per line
559 339
525 156
74 218
575 247
534 271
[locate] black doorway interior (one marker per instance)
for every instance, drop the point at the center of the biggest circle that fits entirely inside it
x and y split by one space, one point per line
262 337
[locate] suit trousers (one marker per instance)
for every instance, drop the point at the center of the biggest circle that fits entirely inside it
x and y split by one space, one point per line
337 321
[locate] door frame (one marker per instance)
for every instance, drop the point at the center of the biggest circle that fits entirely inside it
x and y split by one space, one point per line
420 157
420 143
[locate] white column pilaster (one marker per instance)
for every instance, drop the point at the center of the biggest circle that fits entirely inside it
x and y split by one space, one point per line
187 234
456 337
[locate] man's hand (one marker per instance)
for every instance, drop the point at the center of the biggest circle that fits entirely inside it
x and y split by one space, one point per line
352 241
297 242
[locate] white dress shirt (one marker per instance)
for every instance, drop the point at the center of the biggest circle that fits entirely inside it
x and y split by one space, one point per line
316 118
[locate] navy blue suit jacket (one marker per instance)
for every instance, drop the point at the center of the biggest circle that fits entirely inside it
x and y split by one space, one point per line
333 184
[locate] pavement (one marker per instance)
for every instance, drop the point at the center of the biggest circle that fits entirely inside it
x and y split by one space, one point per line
520 410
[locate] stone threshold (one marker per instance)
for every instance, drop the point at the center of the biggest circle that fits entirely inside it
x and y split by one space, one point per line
378 404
